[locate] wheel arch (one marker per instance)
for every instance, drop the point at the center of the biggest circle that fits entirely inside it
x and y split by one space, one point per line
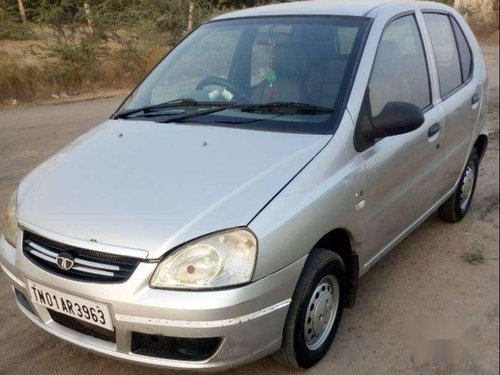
481 145
340 241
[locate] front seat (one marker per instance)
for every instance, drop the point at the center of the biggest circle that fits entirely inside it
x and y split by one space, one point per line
325 81
289 86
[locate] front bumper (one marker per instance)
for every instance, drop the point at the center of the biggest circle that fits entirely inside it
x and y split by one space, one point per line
249 319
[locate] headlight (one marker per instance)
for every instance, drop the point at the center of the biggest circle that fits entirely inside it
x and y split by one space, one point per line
10 220
220 260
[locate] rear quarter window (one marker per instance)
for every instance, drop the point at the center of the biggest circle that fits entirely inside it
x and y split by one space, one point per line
464 51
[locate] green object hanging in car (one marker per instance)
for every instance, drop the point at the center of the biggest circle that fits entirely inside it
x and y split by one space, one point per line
271 76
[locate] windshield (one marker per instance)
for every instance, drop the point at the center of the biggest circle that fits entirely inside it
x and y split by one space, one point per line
285 74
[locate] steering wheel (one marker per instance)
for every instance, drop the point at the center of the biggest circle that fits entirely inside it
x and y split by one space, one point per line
238 94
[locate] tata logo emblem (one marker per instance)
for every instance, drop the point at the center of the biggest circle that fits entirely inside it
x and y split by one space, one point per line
65 261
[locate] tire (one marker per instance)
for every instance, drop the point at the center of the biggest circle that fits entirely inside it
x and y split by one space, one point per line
300 350
458 205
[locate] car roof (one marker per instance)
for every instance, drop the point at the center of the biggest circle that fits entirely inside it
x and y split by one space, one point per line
356 8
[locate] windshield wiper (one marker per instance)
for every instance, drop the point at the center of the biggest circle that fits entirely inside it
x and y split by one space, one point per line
201 113
187 102
300 107
219 107
276 106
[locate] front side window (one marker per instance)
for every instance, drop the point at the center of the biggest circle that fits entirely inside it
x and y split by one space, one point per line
445 52
293 72
400 72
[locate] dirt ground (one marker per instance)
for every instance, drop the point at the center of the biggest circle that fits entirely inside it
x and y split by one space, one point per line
423 288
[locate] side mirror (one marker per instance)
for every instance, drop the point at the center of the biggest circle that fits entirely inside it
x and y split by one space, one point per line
397 118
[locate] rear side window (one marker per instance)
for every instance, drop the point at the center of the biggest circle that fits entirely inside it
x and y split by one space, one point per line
464 51
400 70
445 52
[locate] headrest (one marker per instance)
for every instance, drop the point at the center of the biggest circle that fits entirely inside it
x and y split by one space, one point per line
267 38
388 49
286 60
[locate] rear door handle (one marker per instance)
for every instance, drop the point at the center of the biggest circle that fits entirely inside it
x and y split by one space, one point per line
433 130
475 99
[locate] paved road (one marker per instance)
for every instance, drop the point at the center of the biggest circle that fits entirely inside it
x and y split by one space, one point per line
423 282
31 135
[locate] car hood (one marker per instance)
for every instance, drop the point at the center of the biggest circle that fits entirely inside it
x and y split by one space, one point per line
150 186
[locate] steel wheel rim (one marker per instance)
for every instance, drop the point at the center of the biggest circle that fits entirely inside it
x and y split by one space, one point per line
467 186
321 312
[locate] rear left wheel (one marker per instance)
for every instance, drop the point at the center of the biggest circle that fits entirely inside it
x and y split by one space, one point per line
315 312
458 205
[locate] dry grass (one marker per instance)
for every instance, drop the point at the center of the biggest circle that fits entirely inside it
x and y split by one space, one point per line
484 20
41 69
475 255
485 33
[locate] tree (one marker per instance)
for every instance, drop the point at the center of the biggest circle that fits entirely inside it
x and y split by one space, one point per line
191 16
21 10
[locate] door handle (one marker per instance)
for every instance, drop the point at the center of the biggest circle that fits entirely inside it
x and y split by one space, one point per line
475 98
433 130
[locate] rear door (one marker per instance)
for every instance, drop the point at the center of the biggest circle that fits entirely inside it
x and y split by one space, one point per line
460 92
405 171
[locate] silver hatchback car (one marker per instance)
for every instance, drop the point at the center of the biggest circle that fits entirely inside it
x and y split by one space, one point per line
229 206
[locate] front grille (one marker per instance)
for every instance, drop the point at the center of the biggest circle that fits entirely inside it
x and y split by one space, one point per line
89 265
82 327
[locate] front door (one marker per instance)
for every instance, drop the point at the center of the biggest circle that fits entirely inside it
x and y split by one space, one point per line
404 172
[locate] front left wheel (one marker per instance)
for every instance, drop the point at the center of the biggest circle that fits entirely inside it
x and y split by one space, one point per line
315 311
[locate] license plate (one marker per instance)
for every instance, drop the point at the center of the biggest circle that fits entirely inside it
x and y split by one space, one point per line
76 307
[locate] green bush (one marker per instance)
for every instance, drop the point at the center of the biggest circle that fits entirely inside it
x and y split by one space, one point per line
12 28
